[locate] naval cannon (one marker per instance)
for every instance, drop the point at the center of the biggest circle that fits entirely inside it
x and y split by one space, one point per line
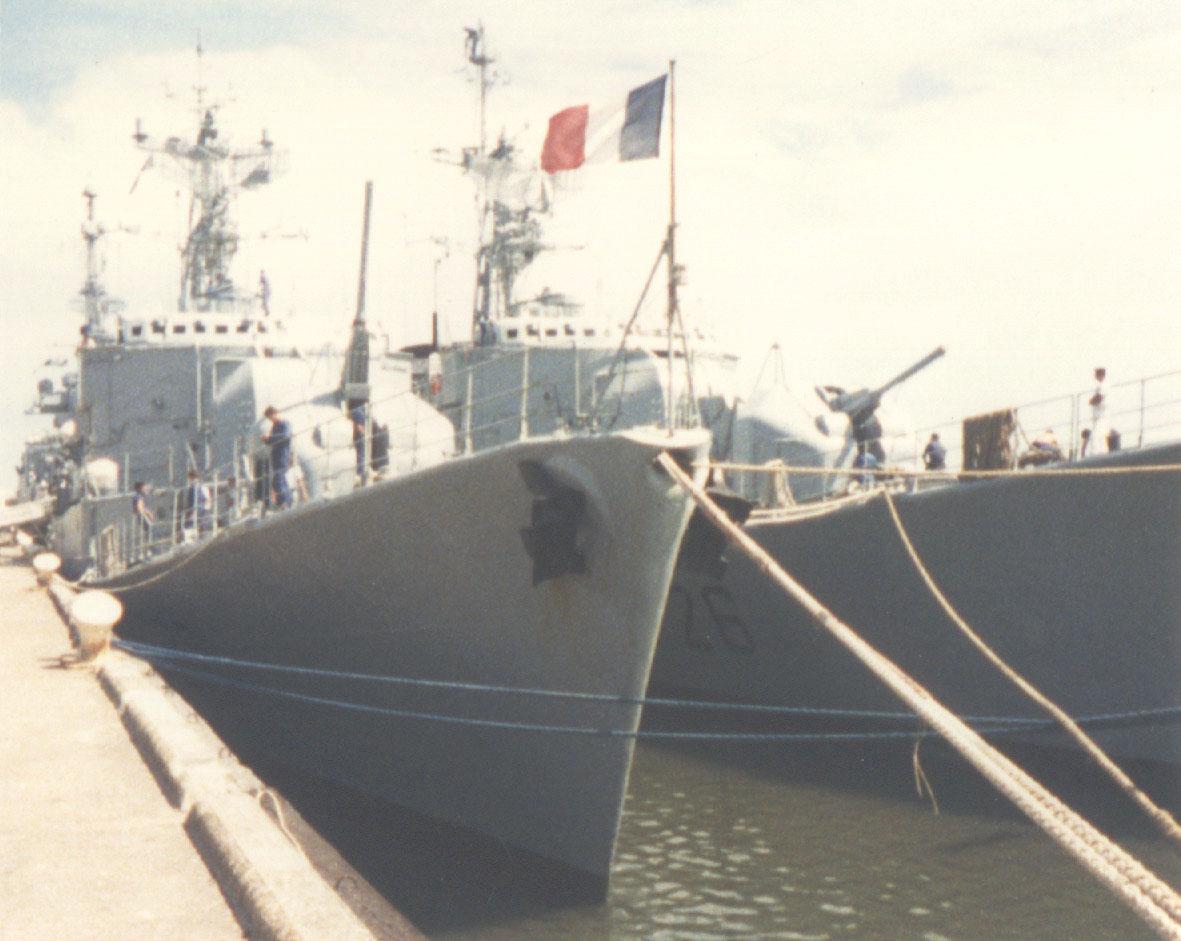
861 406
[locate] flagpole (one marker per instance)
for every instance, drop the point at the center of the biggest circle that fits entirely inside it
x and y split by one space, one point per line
672 228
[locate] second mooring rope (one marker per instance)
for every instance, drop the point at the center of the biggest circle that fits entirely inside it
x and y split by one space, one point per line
883 472
1161 817
1145 893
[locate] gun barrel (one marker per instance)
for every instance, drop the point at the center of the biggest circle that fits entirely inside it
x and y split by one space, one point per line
907 373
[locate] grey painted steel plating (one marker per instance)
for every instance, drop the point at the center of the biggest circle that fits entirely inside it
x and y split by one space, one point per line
1073 580
426 575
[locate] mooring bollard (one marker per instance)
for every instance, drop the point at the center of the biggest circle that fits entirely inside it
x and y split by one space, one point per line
94 613
45 566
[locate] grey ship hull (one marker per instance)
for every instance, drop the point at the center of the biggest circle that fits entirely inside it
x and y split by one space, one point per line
1072 580
427 576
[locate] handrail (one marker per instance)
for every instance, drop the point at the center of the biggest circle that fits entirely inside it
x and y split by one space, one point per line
132 549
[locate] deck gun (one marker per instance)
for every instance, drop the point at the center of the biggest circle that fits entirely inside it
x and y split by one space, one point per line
862 405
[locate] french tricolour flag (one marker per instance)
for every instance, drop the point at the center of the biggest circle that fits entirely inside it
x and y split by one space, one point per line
582 134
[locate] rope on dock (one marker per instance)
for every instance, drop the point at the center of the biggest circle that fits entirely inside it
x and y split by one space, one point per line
1145 893
1161 817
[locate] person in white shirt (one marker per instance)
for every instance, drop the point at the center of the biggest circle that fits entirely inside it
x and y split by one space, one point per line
198 505
1098 403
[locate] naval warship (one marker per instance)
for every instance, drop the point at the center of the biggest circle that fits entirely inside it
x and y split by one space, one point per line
1068 577
1066 567
462 630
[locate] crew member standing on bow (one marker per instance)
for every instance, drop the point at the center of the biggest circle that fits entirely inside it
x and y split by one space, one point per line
935 454
144 517
198 505
1098 403
357 417
279 441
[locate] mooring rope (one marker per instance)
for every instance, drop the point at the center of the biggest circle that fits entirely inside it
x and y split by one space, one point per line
164 655
1161 817
1002 727
546 728
882 472
1151 898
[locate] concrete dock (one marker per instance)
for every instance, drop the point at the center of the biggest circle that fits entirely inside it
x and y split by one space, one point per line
91 847
122 815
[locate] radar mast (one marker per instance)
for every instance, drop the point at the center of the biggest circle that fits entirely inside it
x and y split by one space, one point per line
92 291
214 174
510 235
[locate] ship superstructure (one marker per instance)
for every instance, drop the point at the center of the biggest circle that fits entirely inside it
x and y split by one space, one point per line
570 363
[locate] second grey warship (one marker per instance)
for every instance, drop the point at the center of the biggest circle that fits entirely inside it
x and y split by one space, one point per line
1065 564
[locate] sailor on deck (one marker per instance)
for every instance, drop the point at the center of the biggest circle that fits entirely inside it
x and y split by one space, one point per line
1098 403
357 417
1043 449
279 441
934 454
198 505
869 465
144 517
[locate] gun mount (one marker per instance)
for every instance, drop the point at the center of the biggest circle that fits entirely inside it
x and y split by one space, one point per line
862 404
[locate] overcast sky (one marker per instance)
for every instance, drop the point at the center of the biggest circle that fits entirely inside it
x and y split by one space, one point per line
859 181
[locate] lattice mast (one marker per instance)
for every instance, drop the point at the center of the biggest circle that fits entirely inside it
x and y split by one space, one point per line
510 237
214 174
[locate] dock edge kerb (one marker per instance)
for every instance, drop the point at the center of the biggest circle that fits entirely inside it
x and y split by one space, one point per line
270 885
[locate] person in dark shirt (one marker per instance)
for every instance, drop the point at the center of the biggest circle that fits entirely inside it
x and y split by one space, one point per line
869 465
279 441
357 416
935 454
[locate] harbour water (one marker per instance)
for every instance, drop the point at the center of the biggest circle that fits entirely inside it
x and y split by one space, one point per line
800 843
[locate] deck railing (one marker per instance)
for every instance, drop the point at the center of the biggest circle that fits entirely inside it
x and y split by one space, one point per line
242 487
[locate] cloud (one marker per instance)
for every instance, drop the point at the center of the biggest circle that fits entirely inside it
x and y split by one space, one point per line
860 182
918 86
